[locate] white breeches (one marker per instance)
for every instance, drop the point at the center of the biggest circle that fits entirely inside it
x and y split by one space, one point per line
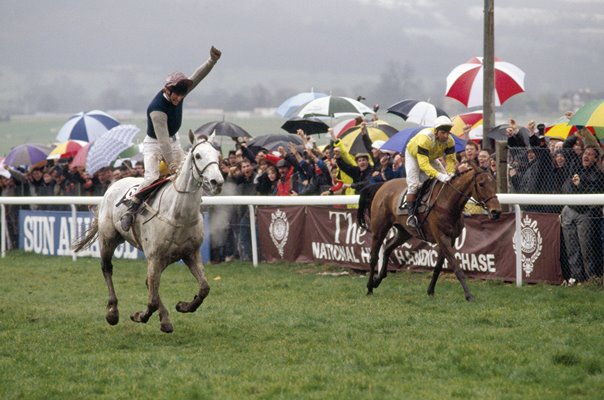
415 176
153 155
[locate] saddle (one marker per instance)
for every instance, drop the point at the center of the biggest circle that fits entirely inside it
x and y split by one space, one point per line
144 194
423 196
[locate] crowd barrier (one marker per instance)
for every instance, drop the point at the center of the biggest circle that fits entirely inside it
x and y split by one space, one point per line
504 198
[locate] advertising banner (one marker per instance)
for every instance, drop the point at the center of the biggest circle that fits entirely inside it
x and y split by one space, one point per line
485 249
51 233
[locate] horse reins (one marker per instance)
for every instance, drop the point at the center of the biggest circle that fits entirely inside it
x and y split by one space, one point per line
480 202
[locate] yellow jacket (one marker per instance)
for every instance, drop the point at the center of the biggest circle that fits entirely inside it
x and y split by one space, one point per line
425 148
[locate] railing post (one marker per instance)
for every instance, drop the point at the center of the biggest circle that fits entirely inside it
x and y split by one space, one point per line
518 241
3 230
74 227
253 235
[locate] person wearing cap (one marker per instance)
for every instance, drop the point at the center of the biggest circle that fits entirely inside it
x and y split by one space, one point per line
164 118
421 160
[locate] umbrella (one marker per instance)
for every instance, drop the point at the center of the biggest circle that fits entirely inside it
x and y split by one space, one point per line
79 160
347 124
106 148
66 149
561 130
465 82
473 118
499 133
272 142
310 125
27 154
398 142
420 112
353 140
333 106
222 128
3 171
591 114
289 107
86 126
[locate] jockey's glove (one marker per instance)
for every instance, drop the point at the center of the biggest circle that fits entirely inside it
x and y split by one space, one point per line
443 177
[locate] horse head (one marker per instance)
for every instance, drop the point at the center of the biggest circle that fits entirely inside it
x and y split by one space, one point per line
484 191
205 164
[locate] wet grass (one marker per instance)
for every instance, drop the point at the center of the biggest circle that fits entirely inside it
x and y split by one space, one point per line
286 331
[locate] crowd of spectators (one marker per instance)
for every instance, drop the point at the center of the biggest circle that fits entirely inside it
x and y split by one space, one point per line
536 164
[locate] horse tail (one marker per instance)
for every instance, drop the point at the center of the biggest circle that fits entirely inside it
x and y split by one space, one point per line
365 198
89 236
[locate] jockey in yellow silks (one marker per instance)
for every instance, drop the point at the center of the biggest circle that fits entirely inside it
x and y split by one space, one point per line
422 160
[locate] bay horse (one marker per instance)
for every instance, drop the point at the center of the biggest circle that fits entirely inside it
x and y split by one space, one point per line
168 228
440 222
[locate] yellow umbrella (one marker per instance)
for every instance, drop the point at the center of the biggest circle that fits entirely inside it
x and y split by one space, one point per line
66 149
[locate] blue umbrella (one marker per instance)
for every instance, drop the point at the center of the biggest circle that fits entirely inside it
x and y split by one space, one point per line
399 141
86 126
27 154
289 107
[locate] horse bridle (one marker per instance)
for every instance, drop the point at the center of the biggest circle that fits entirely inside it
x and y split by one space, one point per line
479 202
201 181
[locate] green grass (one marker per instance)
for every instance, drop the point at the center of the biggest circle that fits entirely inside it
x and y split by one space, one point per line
285 331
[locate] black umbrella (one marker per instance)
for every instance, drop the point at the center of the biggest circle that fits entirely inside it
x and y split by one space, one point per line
222 128
272 142
499 133
309 125
420 112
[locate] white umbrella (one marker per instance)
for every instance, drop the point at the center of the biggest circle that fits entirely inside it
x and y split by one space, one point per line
106 148
288 108
420 112
86 126
334 106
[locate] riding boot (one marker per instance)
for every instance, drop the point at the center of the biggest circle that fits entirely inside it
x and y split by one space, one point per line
128 218
412 208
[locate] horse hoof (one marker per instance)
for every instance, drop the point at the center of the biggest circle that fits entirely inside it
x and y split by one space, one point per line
470 298
137 317
181 306
112 318
166 328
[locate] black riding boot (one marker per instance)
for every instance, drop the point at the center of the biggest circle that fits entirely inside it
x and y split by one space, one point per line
412 218
127 219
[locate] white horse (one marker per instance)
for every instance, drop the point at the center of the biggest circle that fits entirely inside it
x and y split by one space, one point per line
167 228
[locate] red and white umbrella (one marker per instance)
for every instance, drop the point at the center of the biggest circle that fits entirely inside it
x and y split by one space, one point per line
465 82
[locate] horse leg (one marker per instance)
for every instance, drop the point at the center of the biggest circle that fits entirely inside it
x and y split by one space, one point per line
376 250
196 267
399 238
437 269
153 277
106 249
447 248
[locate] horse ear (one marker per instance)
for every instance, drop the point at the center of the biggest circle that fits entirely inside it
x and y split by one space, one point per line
212 136
191 136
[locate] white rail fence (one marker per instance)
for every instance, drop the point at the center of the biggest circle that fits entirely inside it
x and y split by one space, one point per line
504 198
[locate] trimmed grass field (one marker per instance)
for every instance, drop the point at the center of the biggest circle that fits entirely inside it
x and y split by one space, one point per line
289 332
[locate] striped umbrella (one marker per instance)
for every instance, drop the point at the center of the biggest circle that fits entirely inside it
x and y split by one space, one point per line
464 82
353 141
473 118
591 114
86 126
27 154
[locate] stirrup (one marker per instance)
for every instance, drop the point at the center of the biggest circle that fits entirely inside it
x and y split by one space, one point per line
412 221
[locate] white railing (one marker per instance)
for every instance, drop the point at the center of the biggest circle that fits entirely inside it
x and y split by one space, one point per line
251 201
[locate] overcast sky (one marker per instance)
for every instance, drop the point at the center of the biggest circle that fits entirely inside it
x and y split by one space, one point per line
302 43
